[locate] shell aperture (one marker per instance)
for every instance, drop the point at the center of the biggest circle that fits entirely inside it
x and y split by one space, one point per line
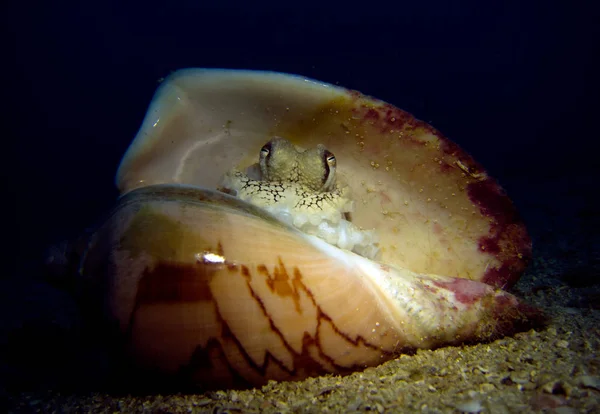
300 188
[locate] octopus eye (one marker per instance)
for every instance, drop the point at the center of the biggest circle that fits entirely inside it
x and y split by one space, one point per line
329 163
265 150
330 159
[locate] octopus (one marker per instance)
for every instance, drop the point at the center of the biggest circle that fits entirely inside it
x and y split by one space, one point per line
301 188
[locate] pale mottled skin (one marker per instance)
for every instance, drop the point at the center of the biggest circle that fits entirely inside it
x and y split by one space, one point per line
314 168
303 181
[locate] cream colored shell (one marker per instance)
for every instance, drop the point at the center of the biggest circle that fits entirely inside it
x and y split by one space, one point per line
212 288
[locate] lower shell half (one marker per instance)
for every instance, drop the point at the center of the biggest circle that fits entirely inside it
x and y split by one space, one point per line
216 292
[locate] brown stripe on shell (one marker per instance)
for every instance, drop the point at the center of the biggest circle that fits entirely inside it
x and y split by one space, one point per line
279 282
275 282
176 283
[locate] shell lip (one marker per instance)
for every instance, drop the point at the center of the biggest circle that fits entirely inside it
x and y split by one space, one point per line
169 86
195 195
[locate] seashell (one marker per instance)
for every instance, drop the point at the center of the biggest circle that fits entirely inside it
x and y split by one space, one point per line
210 288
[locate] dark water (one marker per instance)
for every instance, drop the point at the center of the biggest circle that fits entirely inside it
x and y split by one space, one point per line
513 83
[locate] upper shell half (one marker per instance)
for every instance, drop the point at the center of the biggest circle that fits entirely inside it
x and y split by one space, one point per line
434 208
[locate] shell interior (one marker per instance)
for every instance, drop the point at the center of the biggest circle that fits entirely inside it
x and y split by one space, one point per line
435 210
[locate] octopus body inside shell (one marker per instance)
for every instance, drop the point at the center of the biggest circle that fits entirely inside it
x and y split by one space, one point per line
300 187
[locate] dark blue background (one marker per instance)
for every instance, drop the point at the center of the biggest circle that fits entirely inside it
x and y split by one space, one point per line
513 82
